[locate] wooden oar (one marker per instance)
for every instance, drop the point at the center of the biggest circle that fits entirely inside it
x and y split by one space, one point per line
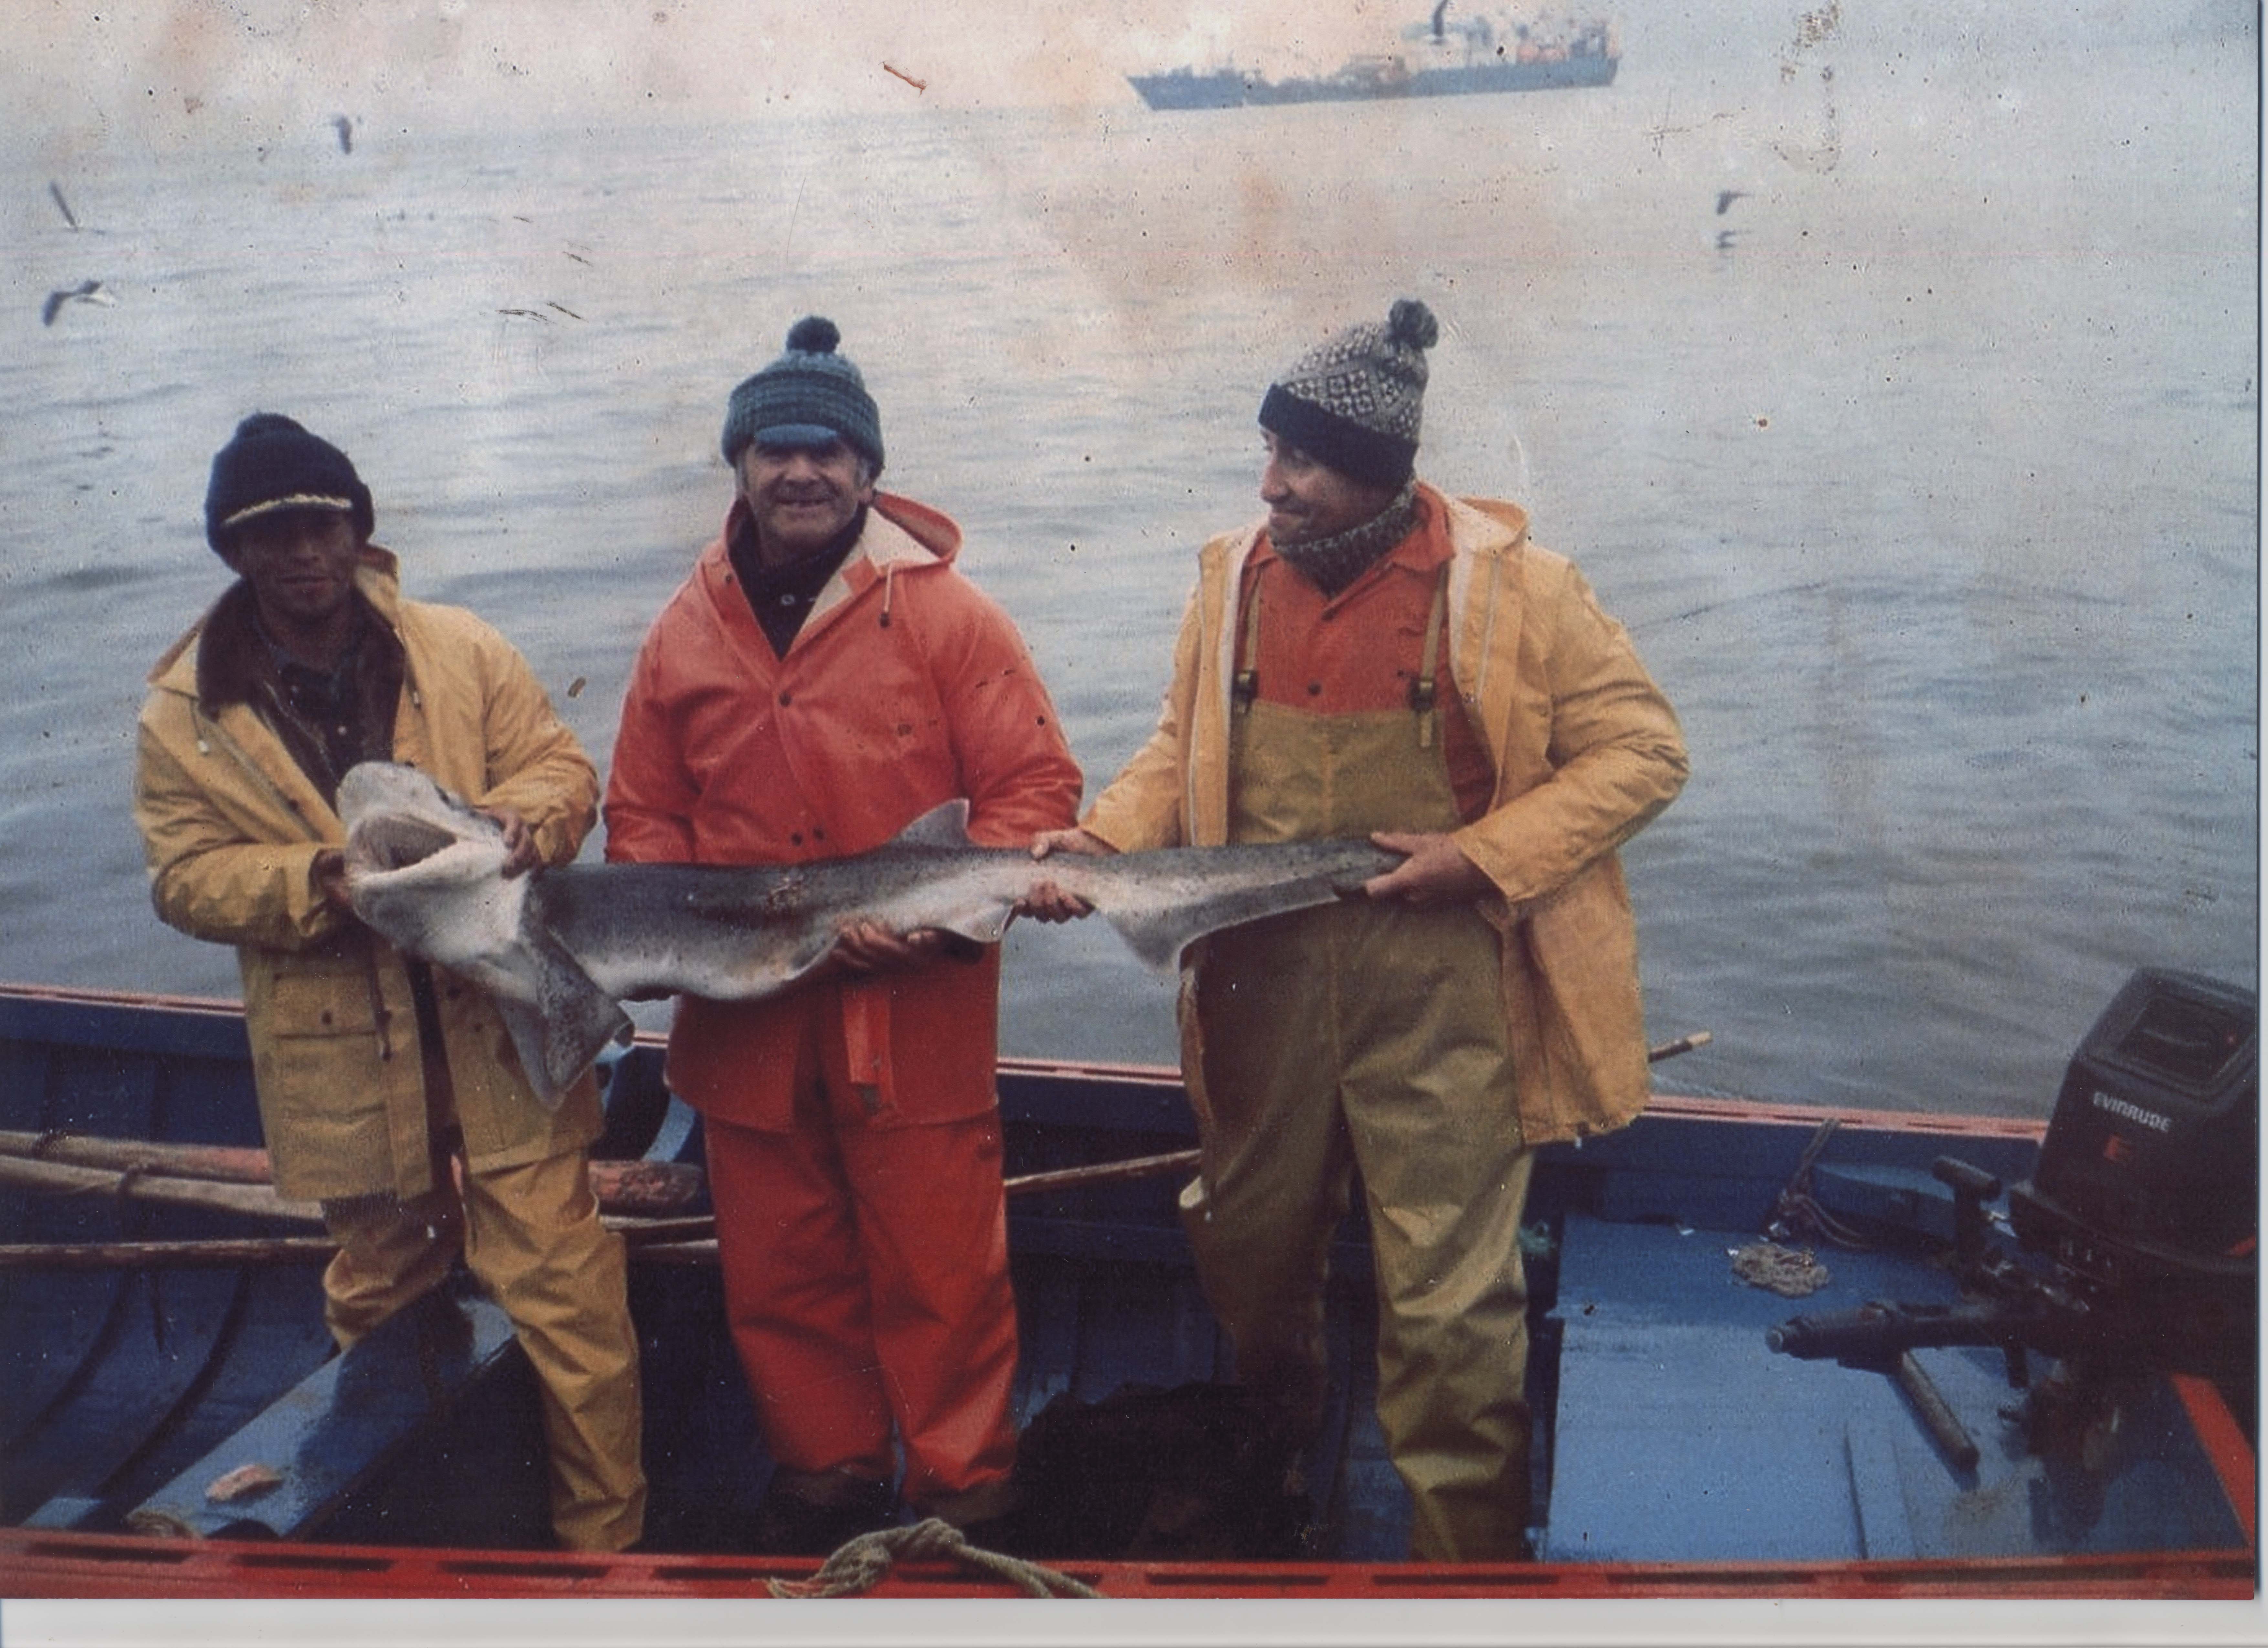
234 1164
701 1247
639 1232
631 1189
1098 1173
60 1178
682 1240
688 1240
207 1253
183 1255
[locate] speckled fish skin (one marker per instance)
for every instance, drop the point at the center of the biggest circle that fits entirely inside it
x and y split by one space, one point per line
560 948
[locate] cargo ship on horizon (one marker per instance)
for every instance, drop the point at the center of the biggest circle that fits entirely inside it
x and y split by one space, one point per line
1442 57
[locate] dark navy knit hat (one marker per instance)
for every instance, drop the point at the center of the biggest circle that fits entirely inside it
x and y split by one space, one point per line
272 464
1356 401
807 397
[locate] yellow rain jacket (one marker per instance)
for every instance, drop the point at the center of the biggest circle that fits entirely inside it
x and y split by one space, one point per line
232 826
1586 750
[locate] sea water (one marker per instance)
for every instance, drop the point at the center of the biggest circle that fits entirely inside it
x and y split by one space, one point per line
1902 403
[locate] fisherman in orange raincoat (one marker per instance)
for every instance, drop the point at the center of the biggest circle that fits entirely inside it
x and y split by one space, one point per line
823 678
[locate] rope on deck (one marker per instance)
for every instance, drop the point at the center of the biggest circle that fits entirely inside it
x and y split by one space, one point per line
859 1565
1798 1210
1789 1272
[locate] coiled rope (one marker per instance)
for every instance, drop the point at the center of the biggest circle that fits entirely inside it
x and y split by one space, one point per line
859 1565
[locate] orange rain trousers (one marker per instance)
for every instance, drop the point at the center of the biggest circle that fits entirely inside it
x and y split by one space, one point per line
866 1274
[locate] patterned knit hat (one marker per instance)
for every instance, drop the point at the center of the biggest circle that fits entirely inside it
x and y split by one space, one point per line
807 397
1355 402
272 464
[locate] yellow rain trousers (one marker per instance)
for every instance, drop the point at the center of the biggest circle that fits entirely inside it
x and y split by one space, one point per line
534 1241
1367 1037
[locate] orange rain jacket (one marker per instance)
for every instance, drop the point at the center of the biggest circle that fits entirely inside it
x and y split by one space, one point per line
907 687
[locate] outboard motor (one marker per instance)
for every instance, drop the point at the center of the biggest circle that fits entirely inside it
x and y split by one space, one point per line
2140 1225
2146 1187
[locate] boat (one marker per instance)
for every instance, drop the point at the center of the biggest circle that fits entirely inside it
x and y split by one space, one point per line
1774 1348
1442 57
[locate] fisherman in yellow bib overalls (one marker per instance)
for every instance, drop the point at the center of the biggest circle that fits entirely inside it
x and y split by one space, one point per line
1378 659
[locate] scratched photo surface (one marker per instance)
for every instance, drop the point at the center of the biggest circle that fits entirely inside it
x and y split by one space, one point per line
1889 369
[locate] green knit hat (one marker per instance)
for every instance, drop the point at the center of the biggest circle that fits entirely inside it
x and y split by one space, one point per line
1355 401
806 398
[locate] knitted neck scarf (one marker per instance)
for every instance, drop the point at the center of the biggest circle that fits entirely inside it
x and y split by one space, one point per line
1332 564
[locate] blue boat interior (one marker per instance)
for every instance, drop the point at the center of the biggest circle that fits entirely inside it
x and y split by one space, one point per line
1667 1427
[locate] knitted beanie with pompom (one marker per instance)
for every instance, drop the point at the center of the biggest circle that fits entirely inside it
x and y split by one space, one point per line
807 397
1355 402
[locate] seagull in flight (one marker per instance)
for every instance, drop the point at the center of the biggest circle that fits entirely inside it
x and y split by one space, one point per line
1727 196
85 291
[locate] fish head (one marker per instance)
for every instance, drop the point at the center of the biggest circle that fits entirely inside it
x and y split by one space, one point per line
397 817
424 869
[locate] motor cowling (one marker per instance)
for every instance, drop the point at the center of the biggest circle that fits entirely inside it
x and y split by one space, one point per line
2147 1184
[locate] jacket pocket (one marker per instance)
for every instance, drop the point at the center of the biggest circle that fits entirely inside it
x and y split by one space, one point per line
316 1001
321 1082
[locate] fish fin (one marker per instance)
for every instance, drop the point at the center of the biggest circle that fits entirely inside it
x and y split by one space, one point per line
806 961
562 1032
988 926
1159 937
945 825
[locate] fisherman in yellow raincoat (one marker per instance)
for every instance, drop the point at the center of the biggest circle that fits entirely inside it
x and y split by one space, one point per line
388 1091
1378 659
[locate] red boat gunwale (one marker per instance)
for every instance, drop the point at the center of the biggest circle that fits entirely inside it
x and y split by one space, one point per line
35 1563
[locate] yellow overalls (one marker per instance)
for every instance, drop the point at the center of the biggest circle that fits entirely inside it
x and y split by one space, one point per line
1367 1037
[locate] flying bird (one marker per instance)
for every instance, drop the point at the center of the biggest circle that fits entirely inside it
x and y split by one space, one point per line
1727 196
62 205
344 126
85 291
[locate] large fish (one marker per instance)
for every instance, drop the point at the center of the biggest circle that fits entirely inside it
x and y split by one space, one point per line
560 950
